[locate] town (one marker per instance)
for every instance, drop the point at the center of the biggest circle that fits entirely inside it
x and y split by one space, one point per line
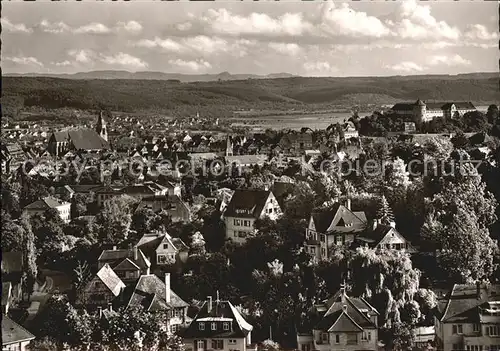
117 234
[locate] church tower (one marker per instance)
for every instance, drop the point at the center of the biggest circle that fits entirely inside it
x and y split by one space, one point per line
229 147
101 127
419 111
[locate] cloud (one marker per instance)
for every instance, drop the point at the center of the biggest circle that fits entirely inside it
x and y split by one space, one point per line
480 32
82 56
123 59
8 26
62 64
59 27
406 66
319 68
130 26
92 28
285 49
21 60
455 60
194 66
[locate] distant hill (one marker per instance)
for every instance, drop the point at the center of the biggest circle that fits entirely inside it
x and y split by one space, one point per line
222 97
150 75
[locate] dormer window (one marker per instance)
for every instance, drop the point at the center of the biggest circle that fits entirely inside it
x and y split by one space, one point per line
225 326
201 326
213 326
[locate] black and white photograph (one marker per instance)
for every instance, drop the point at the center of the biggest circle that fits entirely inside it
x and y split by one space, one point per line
250 175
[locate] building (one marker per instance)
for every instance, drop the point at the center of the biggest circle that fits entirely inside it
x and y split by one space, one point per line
381 236
335 226
218 326
153 294
245 207
12 156
246 161
470 319
47 203
162 249
140 191
178 210
14 336
342 323
128 264
102 290
350 131
102 127
104 193
425 112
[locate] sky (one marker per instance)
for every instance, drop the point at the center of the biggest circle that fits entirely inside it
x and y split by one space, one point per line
303 38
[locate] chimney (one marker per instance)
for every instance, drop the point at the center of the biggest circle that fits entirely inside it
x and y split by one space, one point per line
478 290
99 309
348 204
136 254
209 308
167 287
110 306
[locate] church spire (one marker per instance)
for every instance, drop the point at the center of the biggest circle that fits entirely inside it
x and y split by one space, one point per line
101 126
229 147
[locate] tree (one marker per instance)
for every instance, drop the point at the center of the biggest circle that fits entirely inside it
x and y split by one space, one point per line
197 244
460 141
29 254
492 114
397 175
384 213
115 219
143 220
12 235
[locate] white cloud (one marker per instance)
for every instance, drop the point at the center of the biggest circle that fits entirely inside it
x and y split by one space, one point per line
345 21
62 64
194 66
92 28
8 26
130 26
123 59
165 44
82 56
319 68
58 27
285 49
455 60
21 60
480 32
406 66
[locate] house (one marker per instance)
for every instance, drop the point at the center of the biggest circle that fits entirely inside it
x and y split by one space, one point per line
12 156
162 249
128 264
245 207
246 161
217 326
153 294
381 236
350 131
178 210
337 225
102 290
50 202
104 193
14 336
470 319
424 338
342 323
146 189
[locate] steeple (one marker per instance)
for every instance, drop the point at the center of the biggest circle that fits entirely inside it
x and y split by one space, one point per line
101 126
229 147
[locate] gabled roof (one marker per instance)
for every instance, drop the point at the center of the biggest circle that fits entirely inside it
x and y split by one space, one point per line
464 301
13 333
247 203
338 219
110 279
46 203
220 309
150 294
115 257
151 241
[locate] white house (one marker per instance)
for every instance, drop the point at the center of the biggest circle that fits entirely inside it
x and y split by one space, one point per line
46 203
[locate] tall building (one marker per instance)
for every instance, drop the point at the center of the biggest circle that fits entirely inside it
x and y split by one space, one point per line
425 112
102 126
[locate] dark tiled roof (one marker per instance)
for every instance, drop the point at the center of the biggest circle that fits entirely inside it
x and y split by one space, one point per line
46 203
408 106
115 257
151 241
150 288
220 309
339 219
87 139
464 301
13 332
247 203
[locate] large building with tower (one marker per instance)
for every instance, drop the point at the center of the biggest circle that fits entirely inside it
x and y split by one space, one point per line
420 111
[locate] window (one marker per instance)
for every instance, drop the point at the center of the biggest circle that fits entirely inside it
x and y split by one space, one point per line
232 341
324 337
165 246
367 336
476 328
173 328
225 326
162 259
337 338
217 344
338 240
493 330
177 313
312 249
201 345
322 238
213 326
457 329
237 222
201 326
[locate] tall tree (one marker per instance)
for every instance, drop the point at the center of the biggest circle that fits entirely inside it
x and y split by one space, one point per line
384 213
